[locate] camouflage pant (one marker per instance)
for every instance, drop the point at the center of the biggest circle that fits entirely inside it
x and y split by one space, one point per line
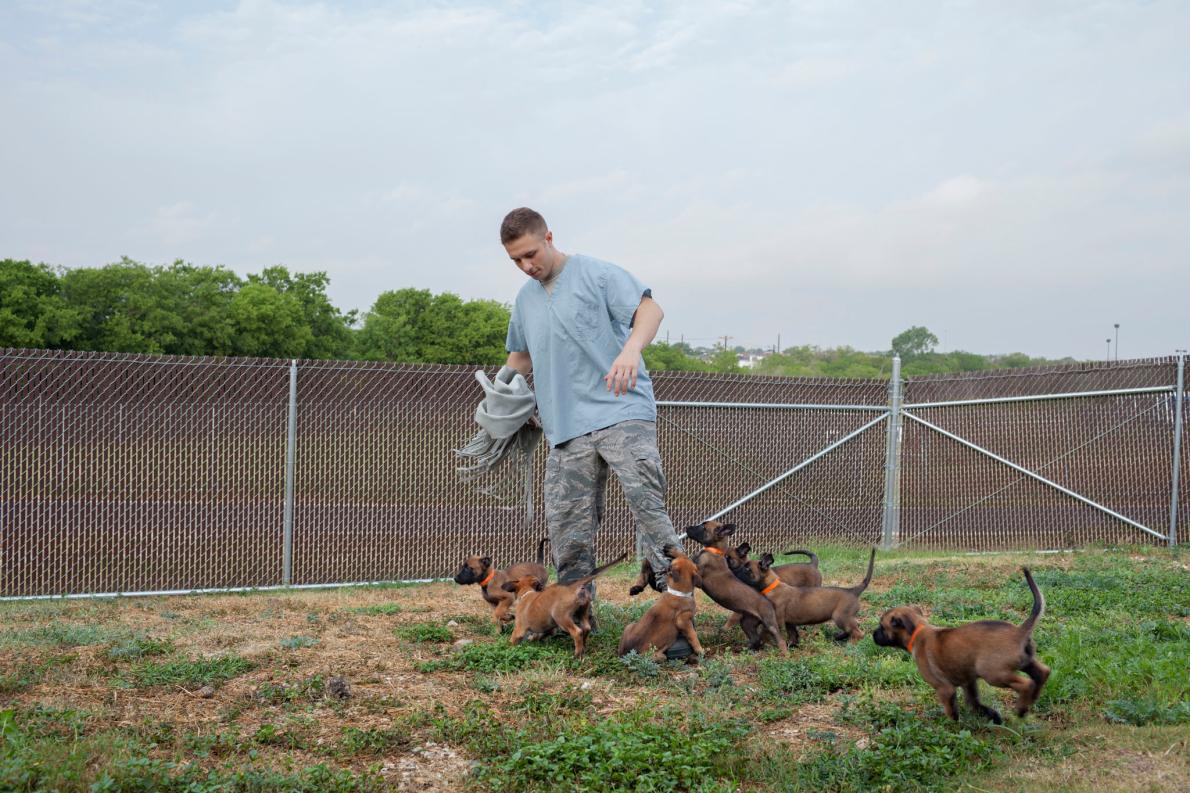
575 485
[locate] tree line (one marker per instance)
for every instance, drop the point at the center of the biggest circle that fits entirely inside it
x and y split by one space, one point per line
187 309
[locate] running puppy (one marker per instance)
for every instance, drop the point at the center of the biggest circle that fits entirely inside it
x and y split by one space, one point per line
808 605
670 615
953 658
479 570
541 609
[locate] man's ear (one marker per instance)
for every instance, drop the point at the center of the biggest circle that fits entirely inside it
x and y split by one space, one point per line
486 561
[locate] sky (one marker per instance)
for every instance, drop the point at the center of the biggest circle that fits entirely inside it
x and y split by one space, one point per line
1015 176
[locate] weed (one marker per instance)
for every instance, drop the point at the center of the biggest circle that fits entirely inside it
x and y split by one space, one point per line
376 609
188 673
1139 712
139 647
298 642
373 741
642 665
59 634
310 689
424 632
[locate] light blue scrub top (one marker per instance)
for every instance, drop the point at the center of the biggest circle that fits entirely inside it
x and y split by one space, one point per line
573 335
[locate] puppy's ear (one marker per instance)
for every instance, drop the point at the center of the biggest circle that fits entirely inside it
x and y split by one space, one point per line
696 579
743 549
486 561
509 586
538 585
897 622
766 561
727 529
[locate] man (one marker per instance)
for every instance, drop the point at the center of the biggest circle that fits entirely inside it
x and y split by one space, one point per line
580 324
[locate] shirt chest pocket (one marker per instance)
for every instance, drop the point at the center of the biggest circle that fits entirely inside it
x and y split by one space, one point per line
586 319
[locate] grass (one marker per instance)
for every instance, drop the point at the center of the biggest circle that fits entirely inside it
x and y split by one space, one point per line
106 696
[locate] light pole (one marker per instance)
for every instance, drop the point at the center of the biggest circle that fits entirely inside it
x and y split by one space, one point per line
1117 341
1109 349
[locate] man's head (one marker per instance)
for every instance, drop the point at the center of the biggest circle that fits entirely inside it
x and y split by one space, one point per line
530 244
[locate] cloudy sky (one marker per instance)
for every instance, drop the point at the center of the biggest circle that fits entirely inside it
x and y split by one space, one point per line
1012 175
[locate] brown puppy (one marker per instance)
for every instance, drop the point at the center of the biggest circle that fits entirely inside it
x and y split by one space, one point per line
808 605
794 573
757 616
567 606
670 614
479 570
953 658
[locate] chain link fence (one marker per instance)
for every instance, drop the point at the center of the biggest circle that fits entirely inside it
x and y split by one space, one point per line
131 473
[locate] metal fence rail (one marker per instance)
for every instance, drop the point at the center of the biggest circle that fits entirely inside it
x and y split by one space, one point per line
131 473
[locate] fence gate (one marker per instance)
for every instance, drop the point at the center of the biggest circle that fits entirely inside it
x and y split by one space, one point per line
1049 459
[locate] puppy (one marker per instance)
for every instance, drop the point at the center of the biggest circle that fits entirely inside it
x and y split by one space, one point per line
757 616
953 658
794 573
670 614
479 570
540 609
808 605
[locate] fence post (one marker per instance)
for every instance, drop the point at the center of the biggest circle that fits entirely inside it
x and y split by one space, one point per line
1179 398
891 527
290 444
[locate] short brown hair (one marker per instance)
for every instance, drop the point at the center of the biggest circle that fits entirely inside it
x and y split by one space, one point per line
520 222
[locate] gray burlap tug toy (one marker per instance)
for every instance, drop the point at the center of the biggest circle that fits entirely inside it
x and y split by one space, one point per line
508 428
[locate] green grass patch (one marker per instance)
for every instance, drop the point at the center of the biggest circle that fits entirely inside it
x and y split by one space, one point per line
298 642
422 632
63 634
139 647
206 671
375 610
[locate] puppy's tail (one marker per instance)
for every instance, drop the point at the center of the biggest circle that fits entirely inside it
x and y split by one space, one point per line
1038 605
582 582
859 588
813 556
541 550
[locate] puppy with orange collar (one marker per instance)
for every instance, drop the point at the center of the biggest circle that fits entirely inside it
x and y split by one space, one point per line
807 605
540 610
670 615
479 570
953 658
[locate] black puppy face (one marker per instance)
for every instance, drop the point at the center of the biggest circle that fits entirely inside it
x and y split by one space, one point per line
473 570
896 626
750 573
710 532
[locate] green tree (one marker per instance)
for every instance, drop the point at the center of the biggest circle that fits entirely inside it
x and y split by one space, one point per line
914 342
32 310
122 308
330 327
268 323
413 325
661 357
726 362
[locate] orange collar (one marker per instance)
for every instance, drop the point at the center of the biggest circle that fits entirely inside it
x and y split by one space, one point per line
770 587
491 575
713 550
913 636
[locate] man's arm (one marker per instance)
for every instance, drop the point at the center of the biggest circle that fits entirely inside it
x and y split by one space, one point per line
645 323
521 362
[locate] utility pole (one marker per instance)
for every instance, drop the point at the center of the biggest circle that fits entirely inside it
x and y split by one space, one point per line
1117 341
778 349
1109 349
725 338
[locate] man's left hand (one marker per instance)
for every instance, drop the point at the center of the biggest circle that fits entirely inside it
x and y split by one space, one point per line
622 375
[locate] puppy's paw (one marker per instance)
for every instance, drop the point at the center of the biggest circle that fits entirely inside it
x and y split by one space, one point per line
636 590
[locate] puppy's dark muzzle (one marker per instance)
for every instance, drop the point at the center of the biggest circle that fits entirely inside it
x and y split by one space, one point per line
465 576
697 533
883 639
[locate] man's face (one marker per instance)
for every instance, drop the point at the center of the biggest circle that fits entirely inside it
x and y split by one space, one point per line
535 256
